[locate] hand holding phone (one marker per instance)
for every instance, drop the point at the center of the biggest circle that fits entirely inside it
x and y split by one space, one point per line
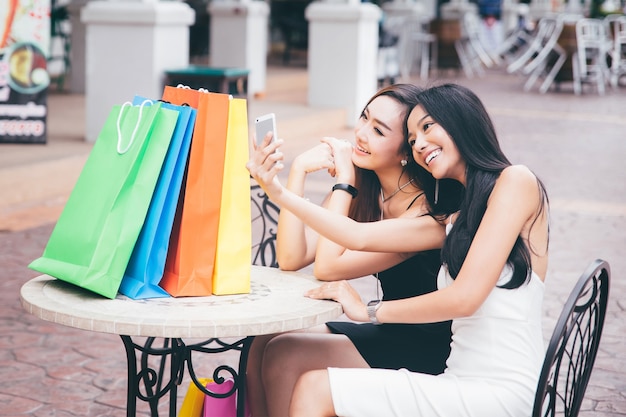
264 124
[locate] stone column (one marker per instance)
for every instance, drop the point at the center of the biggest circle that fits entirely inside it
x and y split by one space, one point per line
76 78
342 60
239 37
129 45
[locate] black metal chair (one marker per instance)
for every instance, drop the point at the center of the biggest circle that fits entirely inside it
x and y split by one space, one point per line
574 344
264 227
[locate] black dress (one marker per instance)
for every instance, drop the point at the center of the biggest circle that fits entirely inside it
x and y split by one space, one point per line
417 347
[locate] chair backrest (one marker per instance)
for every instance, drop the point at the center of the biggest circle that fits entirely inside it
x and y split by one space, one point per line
618 33
548 30
591 33
574 344
610 21
592 45
264 227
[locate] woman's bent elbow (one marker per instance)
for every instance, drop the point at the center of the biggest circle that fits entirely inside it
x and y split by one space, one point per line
289 263
323 273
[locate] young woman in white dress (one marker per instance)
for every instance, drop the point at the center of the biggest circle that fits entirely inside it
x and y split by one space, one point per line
494 262
378 162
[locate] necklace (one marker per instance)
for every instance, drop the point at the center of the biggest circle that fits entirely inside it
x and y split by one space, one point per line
400 188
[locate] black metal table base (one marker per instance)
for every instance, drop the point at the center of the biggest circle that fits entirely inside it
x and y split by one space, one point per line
155 371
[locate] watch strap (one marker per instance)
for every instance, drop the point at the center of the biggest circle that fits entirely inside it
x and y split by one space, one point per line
372 308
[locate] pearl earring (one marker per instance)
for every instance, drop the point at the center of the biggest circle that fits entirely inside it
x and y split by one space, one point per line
404 162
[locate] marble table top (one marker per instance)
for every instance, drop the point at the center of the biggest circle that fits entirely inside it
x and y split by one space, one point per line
275 304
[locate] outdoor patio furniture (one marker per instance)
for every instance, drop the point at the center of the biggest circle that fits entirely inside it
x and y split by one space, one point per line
574 344
264 227
417 46
543 57
616 25
165 360
513 45
545 36
590 59
474 52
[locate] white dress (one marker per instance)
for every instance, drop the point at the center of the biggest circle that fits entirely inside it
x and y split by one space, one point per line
493 367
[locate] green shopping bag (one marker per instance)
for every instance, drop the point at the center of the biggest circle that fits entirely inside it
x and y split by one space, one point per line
94 237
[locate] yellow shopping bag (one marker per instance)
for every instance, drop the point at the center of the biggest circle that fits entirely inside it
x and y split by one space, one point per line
233 257
194 399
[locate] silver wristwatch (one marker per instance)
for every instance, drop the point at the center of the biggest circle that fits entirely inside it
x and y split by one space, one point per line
372 308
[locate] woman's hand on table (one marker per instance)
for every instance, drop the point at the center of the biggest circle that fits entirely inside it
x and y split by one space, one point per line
343 293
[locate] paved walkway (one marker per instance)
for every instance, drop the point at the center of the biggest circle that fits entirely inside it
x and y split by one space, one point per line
576 144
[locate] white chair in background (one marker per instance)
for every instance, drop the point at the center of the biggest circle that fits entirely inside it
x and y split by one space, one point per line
418 45
589 63
514 45
545 34
389 51
469 47
543 56
616 28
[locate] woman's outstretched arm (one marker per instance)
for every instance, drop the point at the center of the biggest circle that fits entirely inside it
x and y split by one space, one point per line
393 235
514 209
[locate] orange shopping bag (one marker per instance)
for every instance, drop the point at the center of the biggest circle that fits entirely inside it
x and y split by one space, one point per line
191 254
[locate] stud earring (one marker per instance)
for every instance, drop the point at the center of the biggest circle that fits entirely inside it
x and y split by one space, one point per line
404 162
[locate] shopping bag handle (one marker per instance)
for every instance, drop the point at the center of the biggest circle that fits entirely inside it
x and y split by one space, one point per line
119 127
186 87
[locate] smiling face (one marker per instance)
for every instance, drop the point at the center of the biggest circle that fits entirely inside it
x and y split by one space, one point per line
379 135
433 148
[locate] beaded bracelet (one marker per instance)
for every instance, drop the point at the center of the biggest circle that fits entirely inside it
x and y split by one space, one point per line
347 188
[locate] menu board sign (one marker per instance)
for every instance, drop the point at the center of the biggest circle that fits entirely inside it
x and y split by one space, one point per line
24 79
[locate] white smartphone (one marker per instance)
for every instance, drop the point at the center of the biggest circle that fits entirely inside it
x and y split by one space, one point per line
264 124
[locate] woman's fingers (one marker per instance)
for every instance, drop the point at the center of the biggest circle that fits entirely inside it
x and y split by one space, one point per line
342 157
330 290
317 158
266 161
344 293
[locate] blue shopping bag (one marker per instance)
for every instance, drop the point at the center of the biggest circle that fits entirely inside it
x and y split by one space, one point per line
147 262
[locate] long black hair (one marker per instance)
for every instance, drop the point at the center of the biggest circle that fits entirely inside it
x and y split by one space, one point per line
463 116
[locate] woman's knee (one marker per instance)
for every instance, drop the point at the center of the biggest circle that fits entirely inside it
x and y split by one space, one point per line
312 391
283 353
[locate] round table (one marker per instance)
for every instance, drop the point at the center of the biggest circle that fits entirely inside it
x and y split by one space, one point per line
275 304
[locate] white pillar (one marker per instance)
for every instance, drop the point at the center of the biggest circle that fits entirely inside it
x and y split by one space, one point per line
76 79
239 33
129 45
342 61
